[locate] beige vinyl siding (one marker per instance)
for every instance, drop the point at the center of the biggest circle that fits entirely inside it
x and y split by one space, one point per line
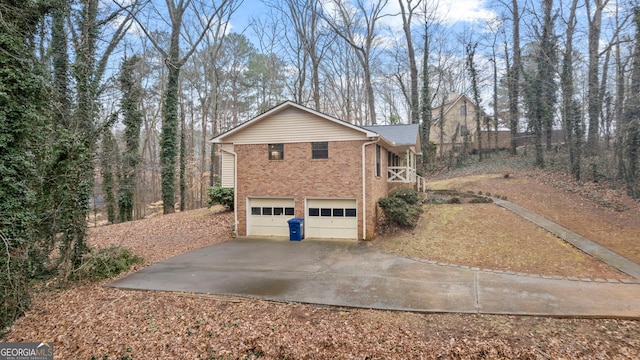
228 166
294 125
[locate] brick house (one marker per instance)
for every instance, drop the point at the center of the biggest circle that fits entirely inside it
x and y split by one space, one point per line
292 161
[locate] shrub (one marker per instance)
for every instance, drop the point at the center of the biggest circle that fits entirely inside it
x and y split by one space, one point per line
409 196
436 201
106 263
220 195
399 212
480 200
454 200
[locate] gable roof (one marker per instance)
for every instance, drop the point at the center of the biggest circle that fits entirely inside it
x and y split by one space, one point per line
397 137
287 105
448 106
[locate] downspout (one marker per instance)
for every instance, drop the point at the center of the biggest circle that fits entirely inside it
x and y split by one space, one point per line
235 190
364 187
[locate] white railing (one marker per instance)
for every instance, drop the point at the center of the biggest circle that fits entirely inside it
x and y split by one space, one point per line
401 174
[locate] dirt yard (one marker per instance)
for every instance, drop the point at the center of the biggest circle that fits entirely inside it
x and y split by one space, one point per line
89 321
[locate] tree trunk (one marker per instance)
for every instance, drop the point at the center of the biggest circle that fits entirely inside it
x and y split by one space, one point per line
594 99
371 100
570 112
632 117
414 104
495 97
168 148
514 79
427 116
471 50
620 96
132 119
183 158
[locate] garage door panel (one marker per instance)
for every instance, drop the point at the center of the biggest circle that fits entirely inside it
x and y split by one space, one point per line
331 218
268 216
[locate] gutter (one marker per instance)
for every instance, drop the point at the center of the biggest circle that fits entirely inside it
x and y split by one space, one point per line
364 187
235 190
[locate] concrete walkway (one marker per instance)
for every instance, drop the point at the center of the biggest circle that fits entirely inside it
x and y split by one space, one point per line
599 252
356 274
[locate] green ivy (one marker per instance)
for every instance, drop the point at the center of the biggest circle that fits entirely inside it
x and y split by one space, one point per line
23 137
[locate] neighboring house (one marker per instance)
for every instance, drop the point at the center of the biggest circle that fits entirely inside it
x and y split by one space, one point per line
457 119
292 161
522 139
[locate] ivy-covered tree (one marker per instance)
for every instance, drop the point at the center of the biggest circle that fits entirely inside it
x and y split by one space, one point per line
541 89
77 133
109 160
132 120
631 119
513 76
23 128
570 109
471 67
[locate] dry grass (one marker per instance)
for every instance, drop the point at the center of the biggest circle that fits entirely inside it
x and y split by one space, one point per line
488 236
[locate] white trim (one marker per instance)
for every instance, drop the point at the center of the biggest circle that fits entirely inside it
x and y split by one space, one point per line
364 185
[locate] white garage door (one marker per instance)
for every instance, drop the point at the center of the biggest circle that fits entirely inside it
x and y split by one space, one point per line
268 216
331 218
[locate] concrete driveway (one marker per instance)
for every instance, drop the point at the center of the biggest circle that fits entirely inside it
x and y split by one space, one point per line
356 274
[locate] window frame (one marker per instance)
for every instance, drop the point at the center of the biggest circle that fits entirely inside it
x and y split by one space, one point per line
321 153
276 151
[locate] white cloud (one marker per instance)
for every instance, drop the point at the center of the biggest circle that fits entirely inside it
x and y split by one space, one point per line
448 12
454 11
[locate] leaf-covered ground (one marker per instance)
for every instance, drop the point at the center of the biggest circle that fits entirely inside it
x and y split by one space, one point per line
91 321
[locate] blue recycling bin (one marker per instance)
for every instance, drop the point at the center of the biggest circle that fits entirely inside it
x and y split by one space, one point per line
296 229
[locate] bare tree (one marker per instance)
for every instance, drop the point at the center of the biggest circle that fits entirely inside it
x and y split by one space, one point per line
174 60
407 17
311 40
357 26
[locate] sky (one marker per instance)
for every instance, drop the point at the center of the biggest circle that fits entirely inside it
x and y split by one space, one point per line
452 12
